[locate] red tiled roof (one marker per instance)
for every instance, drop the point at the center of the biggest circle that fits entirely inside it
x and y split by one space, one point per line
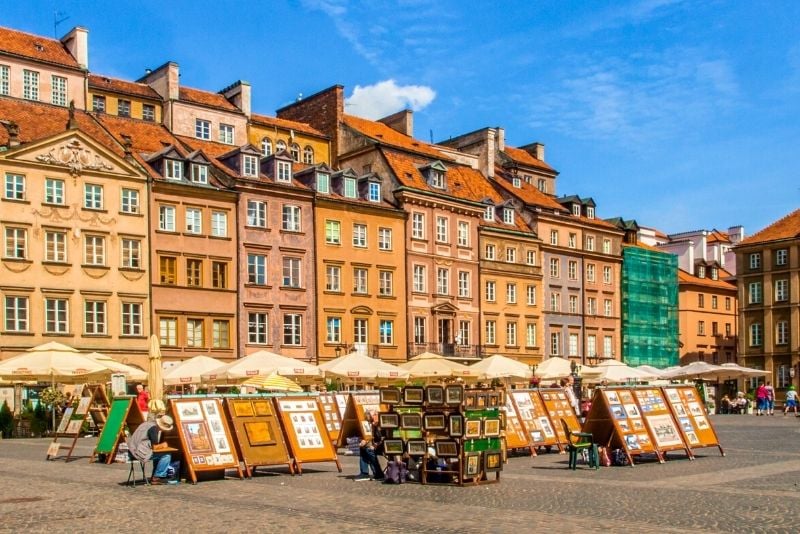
786 228
35 47
115 85
274 122
715 236
146 137
645 246
525 158
686 278
462 182
206 98
526 192
388 136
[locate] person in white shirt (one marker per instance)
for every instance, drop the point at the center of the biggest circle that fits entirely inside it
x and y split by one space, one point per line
791 401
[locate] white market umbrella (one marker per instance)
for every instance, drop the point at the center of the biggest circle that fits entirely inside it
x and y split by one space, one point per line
729 371
54 362
694 370
614 371
356 365
499 366
655 371
189 371
552 368
430 365
261 363
132 373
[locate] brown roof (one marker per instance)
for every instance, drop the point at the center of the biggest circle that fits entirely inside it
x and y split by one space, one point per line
274 122
385 135
686 278
206 98
146 137
526 192
645 246
115 85
786 228
525 158
35 47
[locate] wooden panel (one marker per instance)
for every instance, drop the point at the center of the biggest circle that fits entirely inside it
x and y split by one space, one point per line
558 407
330 412
687 407
658 418
259 438
304 428
515 433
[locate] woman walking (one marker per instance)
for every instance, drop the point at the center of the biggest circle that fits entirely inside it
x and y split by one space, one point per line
761 399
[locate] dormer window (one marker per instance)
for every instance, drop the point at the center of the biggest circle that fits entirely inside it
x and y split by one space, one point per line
527 178
517 182
173 170
199 173
350 190
437 178
701 271
323 183
489 213
249 165
508 215
590 212
435 173
374 193
284 171
576 210
714 273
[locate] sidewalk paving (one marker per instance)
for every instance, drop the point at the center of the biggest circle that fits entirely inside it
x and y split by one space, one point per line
753 488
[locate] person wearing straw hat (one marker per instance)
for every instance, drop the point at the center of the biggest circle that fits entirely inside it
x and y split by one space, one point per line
145 442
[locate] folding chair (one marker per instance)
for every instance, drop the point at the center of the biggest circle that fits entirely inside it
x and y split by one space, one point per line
132 473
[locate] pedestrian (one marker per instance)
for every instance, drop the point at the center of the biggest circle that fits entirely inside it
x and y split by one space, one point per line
369 450
761 399
142 399
148 442
770 398
791 401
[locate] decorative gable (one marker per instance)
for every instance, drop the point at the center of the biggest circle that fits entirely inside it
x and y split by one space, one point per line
435 174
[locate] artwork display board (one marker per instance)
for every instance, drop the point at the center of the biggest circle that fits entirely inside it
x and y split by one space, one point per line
93 402
123 414
558 407
515 433
534 417
259 439
693 422
205 437
341 403
305 432
355 422
330 411
658 418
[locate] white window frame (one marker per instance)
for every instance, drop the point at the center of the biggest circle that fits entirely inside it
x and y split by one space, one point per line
226 133
385 283
291 218
249 165
219 223
606 274
58 90
333 232
420 327
94 250
419 278
530 295
173 169
511 293
508 215
54 191
292 272
266 146
755 260
131 323
333 278
384 239
463 234
442 233
293 329
129 201
15 187
781 290
463 284
756 335
166 218
30 84
350 188
490 251
359 235
56 316
530 257
555 268
491 332
511 334
194 221
442 281
530 335
754 293
4 81
333 329
55 246
131 253
17 310
386 332
257 269
374 192
284 173
323 183
782 256
511 255
488 215
554 237
202 129
94 317
782 333
257 213
257 328
417 225
360 281
491 291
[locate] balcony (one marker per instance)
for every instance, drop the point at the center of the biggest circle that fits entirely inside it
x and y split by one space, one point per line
449 350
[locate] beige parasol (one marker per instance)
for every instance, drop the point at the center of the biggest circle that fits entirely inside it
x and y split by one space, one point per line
131 372
430 365
53 362
154 372
359 366
189 371
261 363
614 371
552 368
499 366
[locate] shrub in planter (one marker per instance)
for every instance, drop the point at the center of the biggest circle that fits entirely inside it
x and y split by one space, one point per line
6 420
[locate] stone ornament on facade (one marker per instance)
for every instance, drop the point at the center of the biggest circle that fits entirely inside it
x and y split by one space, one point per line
75 157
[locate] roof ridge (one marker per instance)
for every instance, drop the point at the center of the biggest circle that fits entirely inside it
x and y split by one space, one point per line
55 40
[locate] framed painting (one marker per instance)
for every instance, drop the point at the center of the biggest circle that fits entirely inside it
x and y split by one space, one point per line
389 395
453 395
262 407
472 428
470 400
446 448
493 399
434 421
434 395
389 420
393 446
410 421
417 447
189 411
491 427
482 400
242 408
492 461
197 437
413 395
472 464
455 425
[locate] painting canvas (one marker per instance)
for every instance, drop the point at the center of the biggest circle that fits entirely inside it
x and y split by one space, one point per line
258 433
262 407
472 464
74 427
62 426
83 405
446 448
456 425
189 411
434 394
470 399
664 430
389 420
197 437
417 447
492 461
472 428
537 436
632 441
413 395
389 395
453 395
393 446
211 408
434 422
618 411
410 421
491 427
242 408
544 422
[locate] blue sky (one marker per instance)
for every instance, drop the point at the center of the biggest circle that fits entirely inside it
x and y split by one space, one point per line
679 114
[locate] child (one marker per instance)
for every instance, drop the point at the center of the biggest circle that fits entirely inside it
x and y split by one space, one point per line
791 401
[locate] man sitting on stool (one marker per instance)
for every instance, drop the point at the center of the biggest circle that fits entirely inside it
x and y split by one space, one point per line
145 442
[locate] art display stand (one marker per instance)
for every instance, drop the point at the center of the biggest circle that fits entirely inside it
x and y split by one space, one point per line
303 426
534 418
514 433
205 438
693 422
557 405
259 438
660 422
92 402
333 419
354 419
123 415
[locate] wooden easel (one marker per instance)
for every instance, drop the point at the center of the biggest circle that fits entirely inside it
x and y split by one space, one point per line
687 407
304 429
259 439
124 413
92 402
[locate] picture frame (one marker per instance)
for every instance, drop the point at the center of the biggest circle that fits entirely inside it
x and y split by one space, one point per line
434 421
410 421
393 446
242 408
446 448
389 420
454 395
470 400
493 399
492 461
197 437
455 425
434 395
416 447
413 395
472 428
262 407
491 427
389 395
482 400
472 464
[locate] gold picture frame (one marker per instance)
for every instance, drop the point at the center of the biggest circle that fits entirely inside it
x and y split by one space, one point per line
472 428
491 428
242 408
258 433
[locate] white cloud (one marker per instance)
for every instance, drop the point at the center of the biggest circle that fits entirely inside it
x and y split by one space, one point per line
386 97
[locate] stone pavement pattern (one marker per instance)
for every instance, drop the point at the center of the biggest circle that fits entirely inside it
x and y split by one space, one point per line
753 489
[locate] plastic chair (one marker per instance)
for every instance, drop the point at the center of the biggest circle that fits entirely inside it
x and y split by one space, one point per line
580 441
132 473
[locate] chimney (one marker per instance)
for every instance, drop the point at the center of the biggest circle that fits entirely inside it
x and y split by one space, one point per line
238 94
402 121
165 80
535 149
501 139
77 44
13 133
736 234
324 111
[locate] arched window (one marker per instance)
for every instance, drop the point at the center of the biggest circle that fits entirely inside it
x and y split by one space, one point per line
308 155
295 152
266 146
280 146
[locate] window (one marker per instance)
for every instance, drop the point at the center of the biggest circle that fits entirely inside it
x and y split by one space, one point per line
511 255
590 212
16 314
573 304
333 278
555 302
55 316
4 82
55 246
131 319
168 331
462 338
334 329
168 270
148 112
350 190
374 192
754 293
530 257
386 332
333 232
384 238
219 275
257 213
166 218
291 272
257 328
608 351
194 333
16 243
292 329
360 331
755 260
572 242
508 217
123 108
442 281
541 185
554 268
99 103
220 334
727 329
93 196
714 273
194 272
511 293
781 290
308 155
555 343
490 252
360 280
419 279
606 275
129 200
194 221
173 169
202 129
755 335
95 250
131 253
607 307
591 306
94 317
419 329
511 334
591 345
491 332
488 215
249 165
256 269
554 237
530 295
284 171
58 86
463 234
728 303
589 243
30 84
517 182
491 295
713 302
606 246
291 218
436 178
280 146
441 230
295 152
463 284
714 328
226 134
573 344
266 146
219 224
530 335
323 183
576 210
385 279
572 270
54 192
782 333
781 256
418 225
701 271
701 300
